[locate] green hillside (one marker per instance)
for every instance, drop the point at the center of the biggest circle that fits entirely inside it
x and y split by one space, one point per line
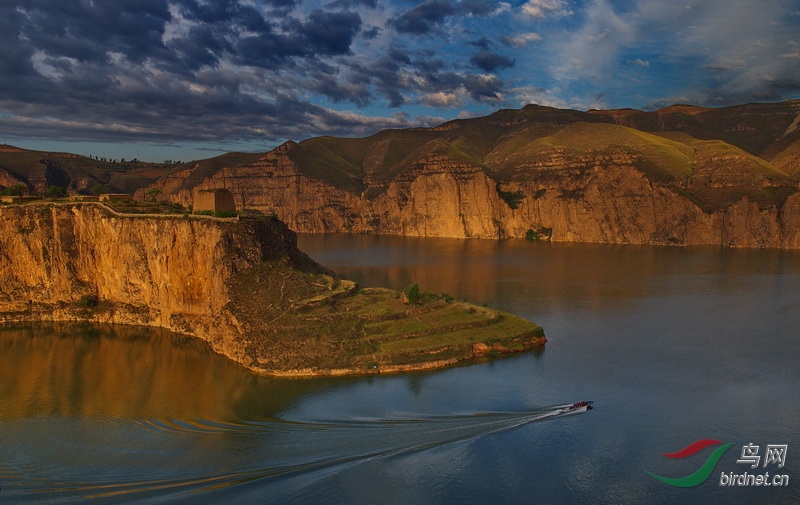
37 171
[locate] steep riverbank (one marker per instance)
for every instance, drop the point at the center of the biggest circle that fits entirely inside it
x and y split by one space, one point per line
678 176
241 285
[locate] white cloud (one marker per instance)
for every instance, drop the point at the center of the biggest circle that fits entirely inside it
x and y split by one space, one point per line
519 41
541 9
591 51
525 95
441 100
742 44
731 51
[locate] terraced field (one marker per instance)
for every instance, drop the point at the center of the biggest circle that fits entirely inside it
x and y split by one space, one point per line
316 324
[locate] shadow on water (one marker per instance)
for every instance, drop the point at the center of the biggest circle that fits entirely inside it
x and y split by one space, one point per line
120 414
674 344
66 369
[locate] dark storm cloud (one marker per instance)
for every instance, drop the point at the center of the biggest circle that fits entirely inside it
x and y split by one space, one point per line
402 73
264 44
222 69
352 4
490 61
90 31
330 32
423 18
482 88
477 7
228 11
429 15
481 43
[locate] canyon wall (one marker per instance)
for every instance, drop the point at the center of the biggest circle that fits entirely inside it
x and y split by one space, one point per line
83 262
592 198
681 175
241 285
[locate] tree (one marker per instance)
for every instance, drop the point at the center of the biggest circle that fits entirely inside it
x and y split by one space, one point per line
15 190
56 191
99 189
153 192
412 294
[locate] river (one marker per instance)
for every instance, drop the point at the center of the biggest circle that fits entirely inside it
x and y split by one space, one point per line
674 345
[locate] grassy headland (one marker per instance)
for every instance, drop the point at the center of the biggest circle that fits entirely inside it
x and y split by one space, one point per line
304 323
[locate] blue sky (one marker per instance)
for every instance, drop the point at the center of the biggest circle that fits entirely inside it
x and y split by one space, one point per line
190 79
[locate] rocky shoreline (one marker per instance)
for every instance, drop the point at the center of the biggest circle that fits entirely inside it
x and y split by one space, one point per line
241 285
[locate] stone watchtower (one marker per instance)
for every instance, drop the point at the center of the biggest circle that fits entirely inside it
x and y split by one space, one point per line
215 200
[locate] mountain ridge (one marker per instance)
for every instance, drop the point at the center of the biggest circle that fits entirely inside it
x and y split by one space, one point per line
680 175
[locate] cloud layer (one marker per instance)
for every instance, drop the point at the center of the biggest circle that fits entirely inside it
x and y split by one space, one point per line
226 71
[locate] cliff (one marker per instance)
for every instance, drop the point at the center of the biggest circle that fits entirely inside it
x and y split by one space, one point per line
681 176
241 285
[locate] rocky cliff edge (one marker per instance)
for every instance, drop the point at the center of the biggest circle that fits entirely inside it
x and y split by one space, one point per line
241 285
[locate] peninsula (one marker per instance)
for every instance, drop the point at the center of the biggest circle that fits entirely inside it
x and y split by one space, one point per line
240 284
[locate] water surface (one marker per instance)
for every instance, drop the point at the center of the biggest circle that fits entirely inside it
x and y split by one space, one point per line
673 345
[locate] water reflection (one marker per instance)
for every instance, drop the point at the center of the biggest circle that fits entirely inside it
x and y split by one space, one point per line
552 277
129 372
673 344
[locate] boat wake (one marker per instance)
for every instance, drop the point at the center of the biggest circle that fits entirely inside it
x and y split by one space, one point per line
168 460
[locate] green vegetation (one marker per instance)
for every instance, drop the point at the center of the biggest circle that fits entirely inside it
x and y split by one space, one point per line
15 190
140 207
659 156
310 320
512 198
99 189
542 233
153 193
88 301
226 213
412 294
218 213
56 192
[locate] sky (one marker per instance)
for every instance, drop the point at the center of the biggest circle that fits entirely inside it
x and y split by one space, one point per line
191 79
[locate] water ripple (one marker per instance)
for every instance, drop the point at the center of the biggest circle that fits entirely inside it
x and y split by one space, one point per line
171 458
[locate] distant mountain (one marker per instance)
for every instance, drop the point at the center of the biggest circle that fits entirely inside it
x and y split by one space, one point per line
37 171
679 175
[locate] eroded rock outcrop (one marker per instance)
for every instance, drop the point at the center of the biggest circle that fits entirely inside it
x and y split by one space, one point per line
241 285
606 176
82 262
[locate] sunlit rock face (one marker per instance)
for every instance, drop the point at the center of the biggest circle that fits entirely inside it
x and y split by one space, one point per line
239 284
679 176
81 262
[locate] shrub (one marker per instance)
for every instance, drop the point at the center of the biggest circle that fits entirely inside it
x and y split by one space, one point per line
412 294
541 234
56 191
512 198
99 189
226 213
15 190
88 301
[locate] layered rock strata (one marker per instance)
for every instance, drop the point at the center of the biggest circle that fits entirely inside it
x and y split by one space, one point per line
679 176
82 262
594 197
241 285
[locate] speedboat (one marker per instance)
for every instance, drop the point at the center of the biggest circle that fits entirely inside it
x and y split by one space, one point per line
578 407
